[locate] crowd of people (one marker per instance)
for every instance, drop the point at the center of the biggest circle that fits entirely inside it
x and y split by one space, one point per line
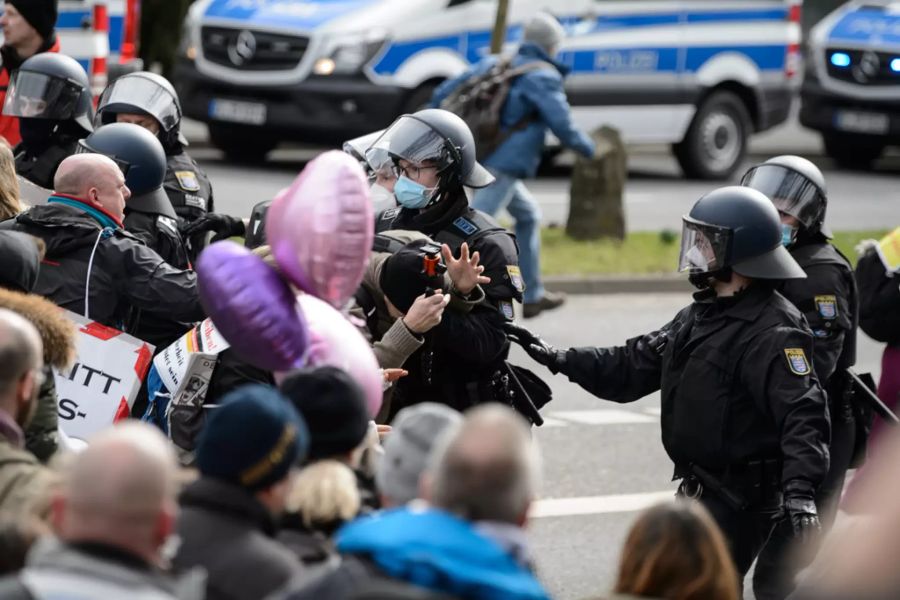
287 485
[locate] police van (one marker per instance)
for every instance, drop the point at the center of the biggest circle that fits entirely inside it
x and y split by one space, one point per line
701 75
851 89
100 34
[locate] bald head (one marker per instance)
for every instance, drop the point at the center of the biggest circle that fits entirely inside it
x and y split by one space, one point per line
21 355
488 470
95 179
121 490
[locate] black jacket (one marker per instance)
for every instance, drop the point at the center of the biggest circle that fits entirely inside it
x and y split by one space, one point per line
828 300
736 379
125 272
38 165
225 530
879 300
190 192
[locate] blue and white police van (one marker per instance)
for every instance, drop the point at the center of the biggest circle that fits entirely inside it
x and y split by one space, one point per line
700 75
851 89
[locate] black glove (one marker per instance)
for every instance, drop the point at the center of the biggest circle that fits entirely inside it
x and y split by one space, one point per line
225 226
538 349
800 507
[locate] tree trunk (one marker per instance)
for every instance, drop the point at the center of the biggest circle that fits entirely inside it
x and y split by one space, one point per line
499 34
598 185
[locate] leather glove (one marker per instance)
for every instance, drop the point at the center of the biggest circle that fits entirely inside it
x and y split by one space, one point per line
542 352
224 226
800 506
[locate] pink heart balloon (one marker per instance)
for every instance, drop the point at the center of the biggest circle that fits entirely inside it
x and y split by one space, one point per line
334 341
321 228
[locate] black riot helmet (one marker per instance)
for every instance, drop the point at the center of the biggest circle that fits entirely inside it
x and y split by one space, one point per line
735 228
144 93
142 160
433 135
796 187
51 86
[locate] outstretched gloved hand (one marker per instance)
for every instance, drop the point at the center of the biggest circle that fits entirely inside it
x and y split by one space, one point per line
224 226
800 506
542 352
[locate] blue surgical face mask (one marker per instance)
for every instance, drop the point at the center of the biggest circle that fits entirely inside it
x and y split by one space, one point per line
788 234
411 194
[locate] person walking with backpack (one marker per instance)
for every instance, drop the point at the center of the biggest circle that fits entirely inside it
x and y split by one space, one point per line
510 104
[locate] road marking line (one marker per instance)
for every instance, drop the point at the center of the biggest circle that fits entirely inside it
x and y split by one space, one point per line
597 505
606 416
551 422
656 411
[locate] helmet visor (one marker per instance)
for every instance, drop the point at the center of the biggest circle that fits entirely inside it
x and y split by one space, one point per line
410 139
34 95
704 247
141 95
84 148
790 192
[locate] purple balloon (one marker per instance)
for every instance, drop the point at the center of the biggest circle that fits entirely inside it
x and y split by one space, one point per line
252 307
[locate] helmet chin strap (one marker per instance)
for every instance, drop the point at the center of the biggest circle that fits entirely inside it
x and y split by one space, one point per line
707 279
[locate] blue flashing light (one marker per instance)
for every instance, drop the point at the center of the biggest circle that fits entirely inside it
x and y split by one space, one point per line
840 59
895 65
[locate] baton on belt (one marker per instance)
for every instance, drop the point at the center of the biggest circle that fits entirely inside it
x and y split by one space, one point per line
877 405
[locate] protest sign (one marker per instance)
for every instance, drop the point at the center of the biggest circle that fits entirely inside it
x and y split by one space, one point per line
889 251
101 386
176 363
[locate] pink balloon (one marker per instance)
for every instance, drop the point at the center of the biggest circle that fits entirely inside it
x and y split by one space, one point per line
252 307
321 228
334 341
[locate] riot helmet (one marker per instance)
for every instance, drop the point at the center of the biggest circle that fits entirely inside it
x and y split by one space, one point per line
142 160
796 187
53 87
144 93
433 136
357 148
738 229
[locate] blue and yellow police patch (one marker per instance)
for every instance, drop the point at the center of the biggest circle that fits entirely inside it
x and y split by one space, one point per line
797 362
827 307
187 180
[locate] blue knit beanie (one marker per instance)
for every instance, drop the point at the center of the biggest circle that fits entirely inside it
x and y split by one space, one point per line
252 438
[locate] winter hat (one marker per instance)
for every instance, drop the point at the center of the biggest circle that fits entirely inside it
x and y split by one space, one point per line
252 438
40 14
333 406
545 31
415 432
403 277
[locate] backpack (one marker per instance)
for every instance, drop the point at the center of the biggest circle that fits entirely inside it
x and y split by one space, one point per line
479 101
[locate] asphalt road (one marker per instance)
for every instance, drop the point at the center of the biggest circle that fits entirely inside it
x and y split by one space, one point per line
602 461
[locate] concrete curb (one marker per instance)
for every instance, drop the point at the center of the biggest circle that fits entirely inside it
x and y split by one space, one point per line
587 284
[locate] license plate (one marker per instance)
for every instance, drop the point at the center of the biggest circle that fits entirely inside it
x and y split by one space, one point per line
862 122
252 113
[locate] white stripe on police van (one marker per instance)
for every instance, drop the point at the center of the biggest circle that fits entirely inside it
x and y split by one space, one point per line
603 416
84 44
596 505
754 33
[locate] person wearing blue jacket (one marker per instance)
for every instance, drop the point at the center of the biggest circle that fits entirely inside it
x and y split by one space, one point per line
537 95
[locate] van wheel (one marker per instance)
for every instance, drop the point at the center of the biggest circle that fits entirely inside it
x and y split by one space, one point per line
716 142
241 144
420 98
852 151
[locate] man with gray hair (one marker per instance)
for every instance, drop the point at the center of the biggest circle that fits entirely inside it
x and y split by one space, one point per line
480 482
115 512
536 102
23 481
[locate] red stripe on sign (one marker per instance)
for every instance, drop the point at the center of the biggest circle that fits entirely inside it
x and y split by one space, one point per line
123 412
99 331
143 361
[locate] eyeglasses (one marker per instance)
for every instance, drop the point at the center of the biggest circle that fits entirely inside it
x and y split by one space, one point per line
411 171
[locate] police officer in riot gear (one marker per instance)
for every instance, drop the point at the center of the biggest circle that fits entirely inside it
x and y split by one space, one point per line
744 418
149 100
828 299
51 96
432 153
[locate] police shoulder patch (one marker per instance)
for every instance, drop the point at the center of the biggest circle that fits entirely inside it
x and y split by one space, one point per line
797 362
515 277
827 307
465 225
188 181
506 308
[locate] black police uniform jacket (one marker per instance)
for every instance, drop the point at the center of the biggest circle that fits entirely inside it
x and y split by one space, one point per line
828 300
39 165
464 351
879 305
189 191
125 274
736 381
